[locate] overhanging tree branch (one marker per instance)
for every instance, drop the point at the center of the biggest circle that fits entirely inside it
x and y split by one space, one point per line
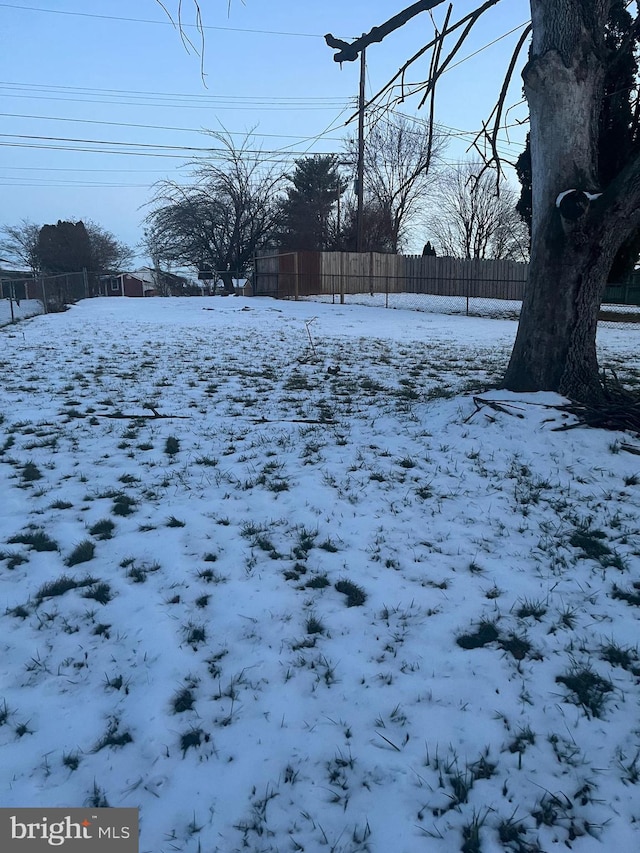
348 52
497 110
439 38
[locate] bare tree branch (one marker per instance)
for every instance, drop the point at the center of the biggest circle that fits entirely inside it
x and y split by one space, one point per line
401 72
349 52
497 110
186 41
434 65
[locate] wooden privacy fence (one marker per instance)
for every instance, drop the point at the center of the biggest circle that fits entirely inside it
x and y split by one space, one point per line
296 274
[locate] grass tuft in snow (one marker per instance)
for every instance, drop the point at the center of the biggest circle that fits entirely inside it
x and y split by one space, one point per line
71 760
586 688
36 539
62 584
172 446
101 593
183 701
102 529
82 553
486 633
123 504
30 472
356 596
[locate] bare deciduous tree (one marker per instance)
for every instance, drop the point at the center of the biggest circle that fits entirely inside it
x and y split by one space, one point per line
108 254
20 244
469 219
400 159
223 217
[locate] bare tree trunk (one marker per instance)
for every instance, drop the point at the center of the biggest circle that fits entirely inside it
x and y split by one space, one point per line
574 240
227 281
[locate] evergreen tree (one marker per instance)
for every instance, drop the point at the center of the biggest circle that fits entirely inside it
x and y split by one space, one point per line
307 214
64 247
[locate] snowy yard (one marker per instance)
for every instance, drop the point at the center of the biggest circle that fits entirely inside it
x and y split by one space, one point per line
325 602
26 308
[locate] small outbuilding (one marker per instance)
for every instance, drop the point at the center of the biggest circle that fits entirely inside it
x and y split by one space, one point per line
129 284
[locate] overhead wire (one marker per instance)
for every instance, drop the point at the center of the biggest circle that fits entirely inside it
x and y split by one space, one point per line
149 126
179 96
167 23
220 102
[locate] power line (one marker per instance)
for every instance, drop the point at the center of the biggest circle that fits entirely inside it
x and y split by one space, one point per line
152 126
271 157
167 23
268 106
74 169
180 95
489 44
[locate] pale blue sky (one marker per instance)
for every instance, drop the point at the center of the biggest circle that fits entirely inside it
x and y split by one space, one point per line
115 73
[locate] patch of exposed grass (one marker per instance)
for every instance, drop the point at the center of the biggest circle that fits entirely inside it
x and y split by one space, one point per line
192 739
591 543
313 625
623 656
183 701
82 553
587 689
172 446
531 607
60 585
211 576
318 582
36 539
13 558
61 505
195 634
123 504
631 596
112 737
517 645
356 596
138 573
485 634
30 472
102 529
71 760
207 461
101 593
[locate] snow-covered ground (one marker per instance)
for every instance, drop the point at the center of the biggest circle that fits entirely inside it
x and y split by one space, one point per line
326 601
26 308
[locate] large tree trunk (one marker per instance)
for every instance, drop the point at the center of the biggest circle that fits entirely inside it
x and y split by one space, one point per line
573 245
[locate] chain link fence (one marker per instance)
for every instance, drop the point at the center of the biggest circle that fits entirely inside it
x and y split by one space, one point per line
487 297
27 297
430 296
492 289
380 295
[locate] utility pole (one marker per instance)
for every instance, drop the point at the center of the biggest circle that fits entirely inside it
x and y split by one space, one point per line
359 212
